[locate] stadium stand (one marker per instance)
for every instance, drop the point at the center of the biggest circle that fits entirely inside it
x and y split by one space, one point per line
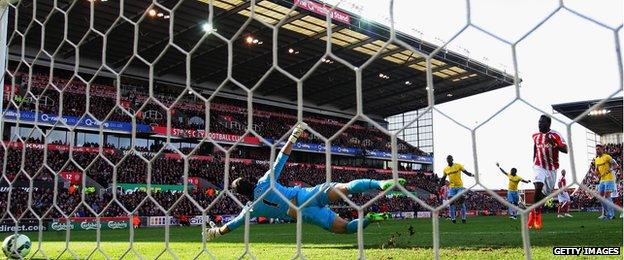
165 171
227 117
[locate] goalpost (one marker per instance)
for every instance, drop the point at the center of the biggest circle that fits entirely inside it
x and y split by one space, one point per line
6 36
4 23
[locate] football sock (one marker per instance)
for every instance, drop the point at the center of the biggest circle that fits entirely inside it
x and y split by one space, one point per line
463 210
353 225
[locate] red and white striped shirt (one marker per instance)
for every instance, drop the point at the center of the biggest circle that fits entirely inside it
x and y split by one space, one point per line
443 191
562 182
547 154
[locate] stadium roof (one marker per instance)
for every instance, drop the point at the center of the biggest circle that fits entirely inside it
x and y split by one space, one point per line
392 84
606 119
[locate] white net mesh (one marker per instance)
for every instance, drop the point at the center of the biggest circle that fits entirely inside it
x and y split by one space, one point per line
46 36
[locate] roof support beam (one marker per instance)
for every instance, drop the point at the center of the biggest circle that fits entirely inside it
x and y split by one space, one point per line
264 54
71 51
221 16
440 84
416 99
371 75
420 88
316 36
446 66
270 91
451 78
461 91
399 80
314 59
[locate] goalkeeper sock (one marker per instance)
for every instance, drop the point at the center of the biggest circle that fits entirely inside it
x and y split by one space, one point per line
353 224
363 185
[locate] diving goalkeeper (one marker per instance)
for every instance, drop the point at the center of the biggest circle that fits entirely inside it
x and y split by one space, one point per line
316 212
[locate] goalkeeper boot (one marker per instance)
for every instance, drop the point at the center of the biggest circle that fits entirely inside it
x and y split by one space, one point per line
388 183
376 217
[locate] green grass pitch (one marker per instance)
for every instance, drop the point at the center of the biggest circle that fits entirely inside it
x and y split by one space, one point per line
481 238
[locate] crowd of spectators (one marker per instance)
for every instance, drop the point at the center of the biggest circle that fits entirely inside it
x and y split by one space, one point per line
133 168
226 116
165 170
483 202
68 203
127 201
131 165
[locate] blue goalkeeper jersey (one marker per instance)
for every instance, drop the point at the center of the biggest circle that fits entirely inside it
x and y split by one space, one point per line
272 205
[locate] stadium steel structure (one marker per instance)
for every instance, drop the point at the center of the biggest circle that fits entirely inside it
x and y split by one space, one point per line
606 119
607 123
302 41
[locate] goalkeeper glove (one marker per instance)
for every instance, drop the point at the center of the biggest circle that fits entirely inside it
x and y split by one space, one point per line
212 233
297 132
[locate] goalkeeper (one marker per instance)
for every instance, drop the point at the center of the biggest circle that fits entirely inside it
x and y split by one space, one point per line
316 212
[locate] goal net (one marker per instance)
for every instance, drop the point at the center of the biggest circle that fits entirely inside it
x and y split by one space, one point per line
127 115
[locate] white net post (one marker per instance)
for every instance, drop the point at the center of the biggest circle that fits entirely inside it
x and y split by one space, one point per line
4 33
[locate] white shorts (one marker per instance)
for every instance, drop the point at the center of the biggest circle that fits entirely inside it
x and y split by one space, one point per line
563 197
547 177
615 193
